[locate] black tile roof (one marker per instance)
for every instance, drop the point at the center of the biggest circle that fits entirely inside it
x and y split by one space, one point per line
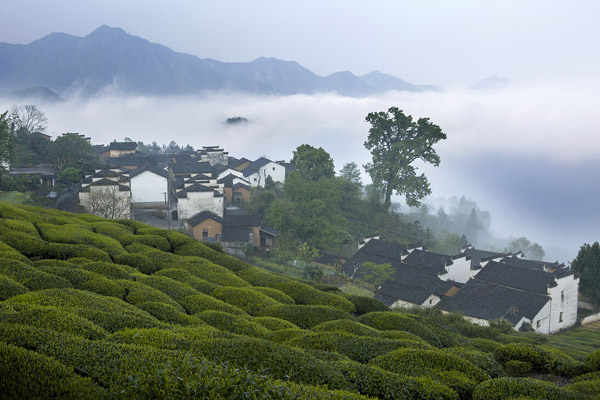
197 187
531 264
240 185
149 167
376 251
429 259
269 231
123 146
236 234
203 216
476 256
532 280
191 167
239 220
489 301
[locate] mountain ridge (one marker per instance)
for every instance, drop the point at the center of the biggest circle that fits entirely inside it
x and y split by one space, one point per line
110 57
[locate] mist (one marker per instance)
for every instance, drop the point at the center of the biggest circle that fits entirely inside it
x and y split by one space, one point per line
526 153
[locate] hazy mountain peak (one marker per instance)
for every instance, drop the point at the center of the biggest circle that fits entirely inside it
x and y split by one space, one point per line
491 83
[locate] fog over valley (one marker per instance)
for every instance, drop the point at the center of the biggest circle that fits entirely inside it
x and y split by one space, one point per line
528 154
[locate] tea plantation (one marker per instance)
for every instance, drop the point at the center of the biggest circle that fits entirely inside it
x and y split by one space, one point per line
91 308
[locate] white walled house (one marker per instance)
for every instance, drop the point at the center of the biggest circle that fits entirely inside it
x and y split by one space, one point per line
256 173
149 184
106 198
198 198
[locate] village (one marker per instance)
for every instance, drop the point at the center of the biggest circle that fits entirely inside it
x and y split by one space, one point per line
199 192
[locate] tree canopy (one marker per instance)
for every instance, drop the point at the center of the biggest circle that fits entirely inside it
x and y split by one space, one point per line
395 142
312 163
351 172
587 264
72 150
6 143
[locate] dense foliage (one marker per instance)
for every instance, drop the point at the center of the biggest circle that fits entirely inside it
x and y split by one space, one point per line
91 308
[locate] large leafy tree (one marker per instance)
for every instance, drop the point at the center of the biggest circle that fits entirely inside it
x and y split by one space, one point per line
312 163
587 264
6 143
396 142
72 150
351 173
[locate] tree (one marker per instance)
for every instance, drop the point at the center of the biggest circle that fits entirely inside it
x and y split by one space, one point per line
6 143
587 264
395 142
351 173
531 250
107 202
71 150
312 163
28 119
376 274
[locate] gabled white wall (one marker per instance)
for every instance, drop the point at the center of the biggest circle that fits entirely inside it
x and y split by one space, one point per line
272 169
564 300
148 187
459 271
230 171
197 202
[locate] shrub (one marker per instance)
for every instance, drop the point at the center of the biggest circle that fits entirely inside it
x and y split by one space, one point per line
168 313
485 345
483 360
161 259
517 368
174 289
153 337
401 335
28 375
305 316
214 273
155 241
365 305
80 234
202 302
284 335
248 300
111 229
378 383
272 359
30 277
357 348
304 294
137 293
142 263
348 326
584 389
186 277
395 321
107 312
415 362
542 359
9 252
593 360
198 249
50 318
274 324
274 294
504 388
22 226
132 224
9 288
232 323
64 251
259 277
110 270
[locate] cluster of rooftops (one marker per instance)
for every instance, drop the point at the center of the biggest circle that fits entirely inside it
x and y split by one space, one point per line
482 285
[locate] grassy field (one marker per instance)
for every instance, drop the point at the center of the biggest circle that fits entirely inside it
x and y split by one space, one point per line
577 342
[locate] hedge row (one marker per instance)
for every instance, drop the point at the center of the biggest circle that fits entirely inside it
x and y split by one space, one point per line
213 273
248 300
348 326
517 388
184 276
9 288
137 293
384 321
364 305
233 323
169 314
304 294
30 276
305 316
201 302
540 359
141 262
80 234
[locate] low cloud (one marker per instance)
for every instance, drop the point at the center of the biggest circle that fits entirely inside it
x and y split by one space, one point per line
550 123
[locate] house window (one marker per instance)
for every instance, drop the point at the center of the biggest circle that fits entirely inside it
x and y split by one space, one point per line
273 168
560 317
538 324
255 179
204 235
430 302
562 296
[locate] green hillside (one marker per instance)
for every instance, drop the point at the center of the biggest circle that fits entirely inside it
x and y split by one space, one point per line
93 308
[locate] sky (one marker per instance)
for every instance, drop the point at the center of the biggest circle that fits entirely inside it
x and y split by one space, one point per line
528 153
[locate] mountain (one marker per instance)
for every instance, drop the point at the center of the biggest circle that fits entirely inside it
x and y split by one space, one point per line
36 94
111 60
491 83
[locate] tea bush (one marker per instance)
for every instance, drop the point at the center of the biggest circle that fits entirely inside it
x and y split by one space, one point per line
395 321
78 234
348 326
137 293
155 241
110 270
161 259
542 359
482 360
50 318
504 388
248 300
9 252
274 294
31 277
481 344
274 324
365 305
284 335
214 273
583 389
195 248
9 288
593 360
202 302
169 314
29 375
304 294
259 277
186 277
233 323
305 316
174 289
111 229
142 263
